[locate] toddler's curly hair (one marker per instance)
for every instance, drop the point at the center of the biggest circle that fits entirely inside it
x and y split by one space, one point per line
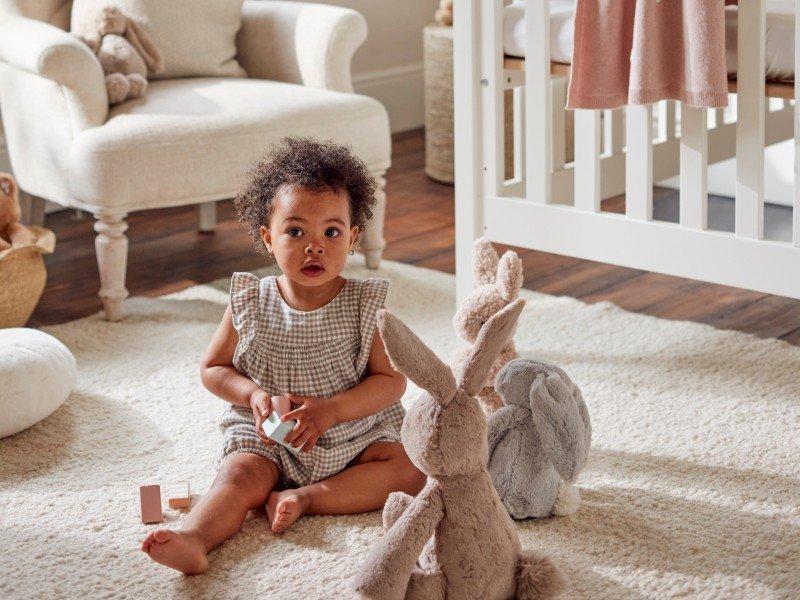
310 164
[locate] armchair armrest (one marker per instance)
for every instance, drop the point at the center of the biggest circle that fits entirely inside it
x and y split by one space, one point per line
298 42
47 51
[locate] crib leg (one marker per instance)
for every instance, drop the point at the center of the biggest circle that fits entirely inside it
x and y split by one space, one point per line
467 129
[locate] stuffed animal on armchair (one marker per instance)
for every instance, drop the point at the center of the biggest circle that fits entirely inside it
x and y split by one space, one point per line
125 52
538 441
498 283
12 232
454 539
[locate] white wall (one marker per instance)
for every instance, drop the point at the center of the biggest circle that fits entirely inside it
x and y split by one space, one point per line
389 64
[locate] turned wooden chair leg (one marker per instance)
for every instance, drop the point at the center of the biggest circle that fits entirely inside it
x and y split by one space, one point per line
32 209
111 246
371 241
207 217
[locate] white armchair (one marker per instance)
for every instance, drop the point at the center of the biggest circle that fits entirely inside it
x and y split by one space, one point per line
189 141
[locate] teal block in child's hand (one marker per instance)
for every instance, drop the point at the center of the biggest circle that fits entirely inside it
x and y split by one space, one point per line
276 429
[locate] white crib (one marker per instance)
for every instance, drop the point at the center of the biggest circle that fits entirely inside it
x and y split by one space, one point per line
554 206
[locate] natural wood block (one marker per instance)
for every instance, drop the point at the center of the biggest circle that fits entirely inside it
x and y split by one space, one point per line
150 500
178 495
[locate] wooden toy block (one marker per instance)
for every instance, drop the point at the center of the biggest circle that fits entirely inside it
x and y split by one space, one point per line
178 495
276 429
150 500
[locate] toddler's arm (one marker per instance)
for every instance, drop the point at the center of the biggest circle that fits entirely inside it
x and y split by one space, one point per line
382 387
222 379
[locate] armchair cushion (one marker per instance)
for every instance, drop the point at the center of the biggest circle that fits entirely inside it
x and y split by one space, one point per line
192 140
196 37
44 50
300 42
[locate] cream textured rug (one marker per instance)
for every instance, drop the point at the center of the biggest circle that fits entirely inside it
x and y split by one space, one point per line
692 487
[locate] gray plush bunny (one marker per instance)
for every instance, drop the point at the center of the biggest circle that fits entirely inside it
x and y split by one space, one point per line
539 440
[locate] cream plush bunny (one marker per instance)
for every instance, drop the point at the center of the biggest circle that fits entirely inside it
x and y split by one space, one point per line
498 283
454 540
125 52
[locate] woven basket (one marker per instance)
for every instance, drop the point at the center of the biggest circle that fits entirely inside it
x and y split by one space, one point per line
22 278
438 59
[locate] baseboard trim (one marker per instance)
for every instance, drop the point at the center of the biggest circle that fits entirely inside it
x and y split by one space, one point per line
400 89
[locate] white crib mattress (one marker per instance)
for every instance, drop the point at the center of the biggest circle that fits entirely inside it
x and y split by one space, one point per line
779 44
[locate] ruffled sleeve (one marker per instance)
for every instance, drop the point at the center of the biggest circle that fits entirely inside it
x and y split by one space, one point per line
245 312
372 298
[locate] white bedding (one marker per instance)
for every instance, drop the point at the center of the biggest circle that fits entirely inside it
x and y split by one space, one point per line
779 44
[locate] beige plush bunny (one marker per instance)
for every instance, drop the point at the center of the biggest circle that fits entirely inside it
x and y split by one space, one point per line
498 283
125 52
454 540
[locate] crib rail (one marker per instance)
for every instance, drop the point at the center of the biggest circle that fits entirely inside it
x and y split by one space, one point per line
553 201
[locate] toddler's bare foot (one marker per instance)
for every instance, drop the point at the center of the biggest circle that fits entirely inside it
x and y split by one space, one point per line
284 508
180 550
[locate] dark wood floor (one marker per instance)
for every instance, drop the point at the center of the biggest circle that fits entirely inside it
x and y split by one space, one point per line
167 254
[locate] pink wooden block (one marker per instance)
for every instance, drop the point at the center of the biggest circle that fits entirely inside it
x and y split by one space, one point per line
150 499
178 495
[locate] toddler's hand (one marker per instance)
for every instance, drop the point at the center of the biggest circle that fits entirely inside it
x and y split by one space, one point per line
314 417
281 405
261 406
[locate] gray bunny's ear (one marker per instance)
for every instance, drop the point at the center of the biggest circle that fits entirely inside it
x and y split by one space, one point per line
409 355
493 336
484 261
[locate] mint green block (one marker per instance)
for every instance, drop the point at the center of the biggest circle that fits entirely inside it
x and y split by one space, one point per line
276 429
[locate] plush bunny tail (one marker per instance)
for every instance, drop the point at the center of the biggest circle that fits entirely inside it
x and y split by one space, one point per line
538 577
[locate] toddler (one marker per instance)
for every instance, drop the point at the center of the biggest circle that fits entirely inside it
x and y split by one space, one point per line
305 342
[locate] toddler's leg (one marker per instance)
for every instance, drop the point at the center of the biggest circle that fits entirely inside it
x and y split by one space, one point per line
243 483
382 467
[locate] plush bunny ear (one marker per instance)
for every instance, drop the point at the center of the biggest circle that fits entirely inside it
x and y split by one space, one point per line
484 261
144 46
494 334
409 355
8 187
509 276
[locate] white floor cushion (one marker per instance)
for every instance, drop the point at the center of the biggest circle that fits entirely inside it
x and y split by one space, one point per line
37 373
194 139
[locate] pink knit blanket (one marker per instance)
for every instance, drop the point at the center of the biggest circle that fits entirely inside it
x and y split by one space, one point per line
642 51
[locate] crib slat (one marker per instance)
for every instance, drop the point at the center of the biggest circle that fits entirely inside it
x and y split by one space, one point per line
796 208
493 86
666 120
467 131
538 105
613 131
587 160
559 123
639 162
719 117
519 132
750 120
694 167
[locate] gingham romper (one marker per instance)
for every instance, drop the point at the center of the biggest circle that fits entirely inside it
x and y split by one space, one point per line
309 353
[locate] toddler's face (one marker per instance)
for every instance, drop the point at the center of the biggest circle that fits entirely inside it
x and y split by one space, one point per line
310 233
